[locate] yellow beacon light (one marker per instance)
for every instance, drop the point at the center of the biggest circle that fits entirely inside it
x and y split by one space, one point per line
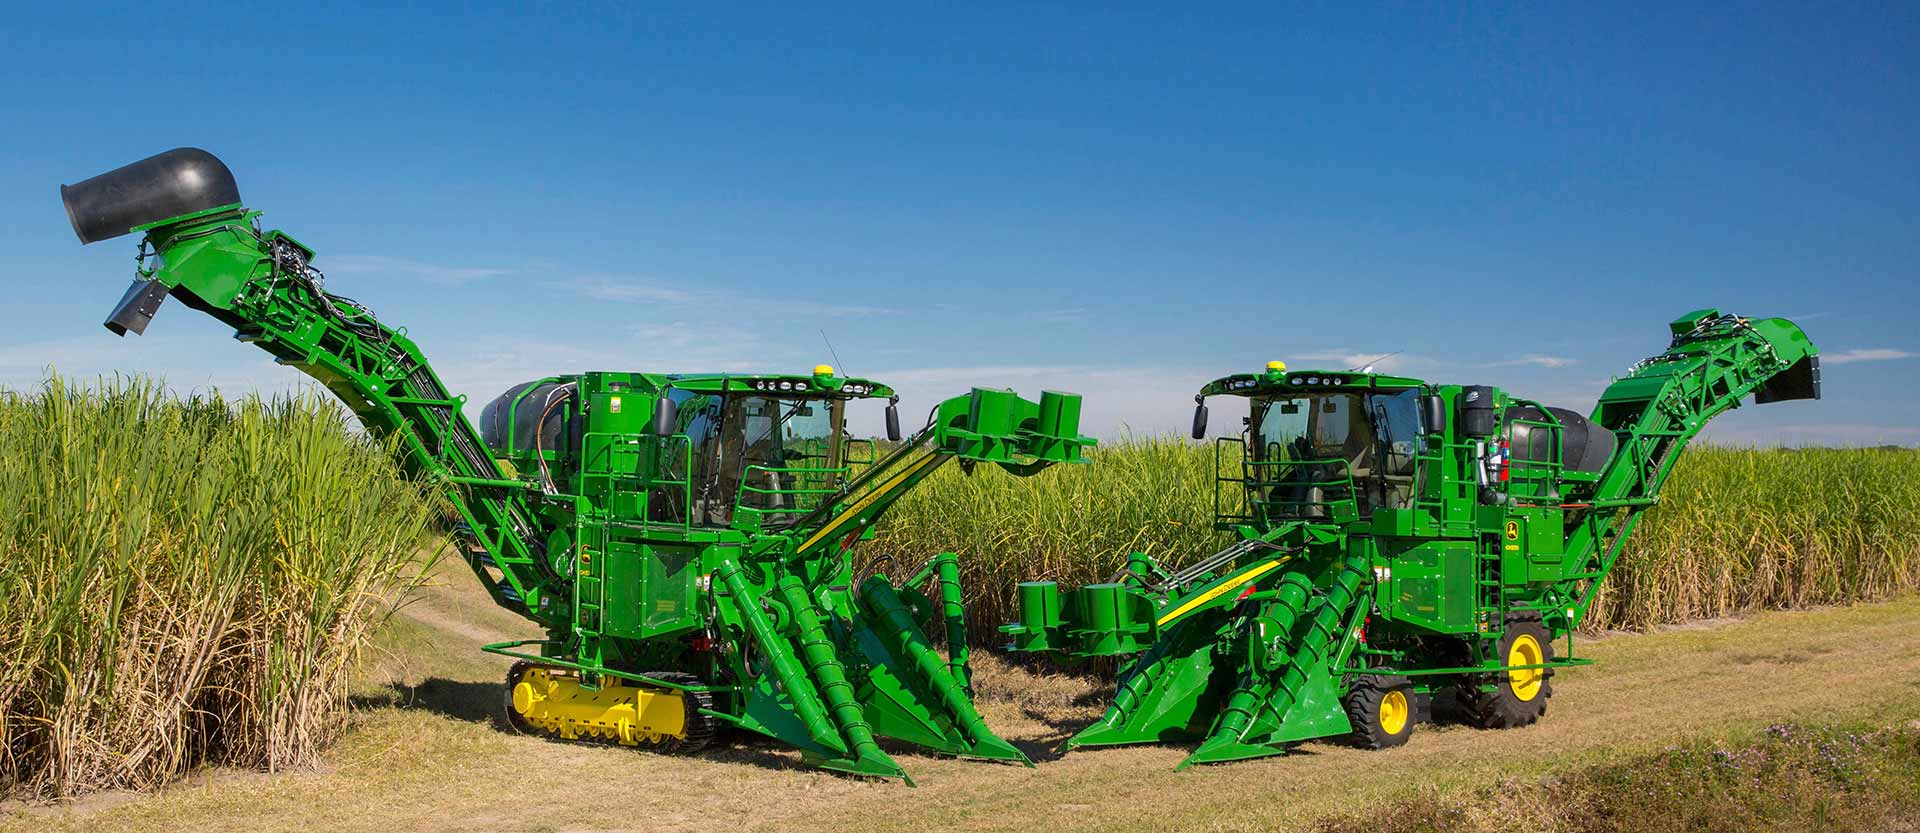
1277 366
823 370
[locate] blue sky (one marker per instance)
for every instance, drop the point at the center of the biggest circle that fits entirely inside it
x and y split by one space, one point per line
1117 200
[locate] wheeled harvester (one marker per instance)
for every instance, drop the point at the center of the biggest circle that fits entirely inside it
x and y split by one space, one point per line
1397 539
685 540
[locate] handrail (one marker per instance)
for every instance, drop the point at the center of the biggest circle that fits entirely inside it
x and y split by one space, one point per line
800 493
1541 477
873 451
1261 509
646 485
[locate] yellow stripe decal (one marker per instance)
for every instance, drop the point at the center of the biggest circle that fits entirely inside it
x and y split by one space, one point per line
1225 588
867 501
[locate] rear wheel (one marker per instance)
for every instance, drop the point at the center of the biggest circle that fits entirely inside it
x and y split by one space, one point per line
1381 710
1519 695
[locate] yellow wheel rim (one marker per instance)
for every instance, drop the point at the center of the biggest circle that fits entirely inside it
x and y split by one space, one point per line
1526 682
1394 712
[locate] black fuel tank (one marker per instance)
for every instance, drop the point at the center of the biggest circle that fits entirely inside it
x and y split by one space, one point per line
1585 445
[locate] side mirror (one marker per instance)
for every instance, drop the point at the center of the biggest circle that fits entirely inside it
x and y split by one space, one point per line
893 420
1199 419
1433 413
666 416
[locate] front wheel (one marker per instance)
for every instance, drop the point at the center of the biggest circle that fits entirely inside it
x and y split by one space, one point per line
1518 696
1381 711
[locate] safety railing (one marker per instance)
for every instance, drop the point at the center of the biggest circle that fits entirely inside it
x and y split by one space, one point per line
860 452
1534 473
661 499
778 505
1285 490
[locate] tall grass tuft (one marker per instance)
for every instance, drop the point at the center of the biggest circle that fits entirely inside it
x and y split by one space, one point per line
1738 529
1744 529
185 581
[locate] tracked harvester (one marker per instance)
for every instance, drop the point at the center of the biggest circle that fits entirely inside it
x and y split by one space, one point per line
685 540
1395 539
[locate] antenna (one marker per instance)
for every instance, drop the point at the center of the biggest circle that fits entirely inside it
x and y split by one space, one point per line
836 356
1369 365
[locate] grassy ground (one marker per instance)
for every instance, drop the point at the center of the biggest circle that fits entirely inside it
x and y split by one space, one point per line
424 753
1788 777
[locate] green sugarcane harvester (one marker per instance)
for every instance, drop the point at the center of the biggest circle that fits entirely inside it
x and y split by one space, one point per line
1397 538
684 539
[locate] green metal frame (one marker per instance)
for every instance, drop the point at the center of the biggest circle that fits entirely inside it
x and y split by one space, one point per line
1253 650
580 537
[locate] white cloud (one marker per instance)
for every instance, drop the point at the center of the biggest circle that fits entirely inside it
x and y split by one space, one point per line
608 289
1870 354
1577 394
1346 358
188 360
33 358
1535 360
1343 358
637 290
433 272
1116 400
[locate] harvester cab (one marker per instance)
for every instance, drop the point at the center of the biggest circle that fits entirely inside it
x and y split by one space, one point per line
745 451
684 539
1396 539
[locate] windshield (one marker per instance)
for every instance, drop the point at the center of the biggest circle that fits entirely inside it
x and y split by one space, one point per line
1324 426
1311 451
776 457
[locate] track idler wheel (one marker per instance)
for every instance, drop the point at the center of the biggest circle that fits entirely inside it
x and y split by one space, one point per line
1518 697
515 720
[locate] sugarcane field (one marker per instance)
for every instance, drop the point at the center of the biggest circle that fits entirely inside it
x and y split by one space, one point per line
1079 417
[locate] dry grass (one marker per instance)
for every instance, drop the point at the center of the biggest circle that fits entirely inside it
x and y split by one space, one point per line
430 757
188 582
1789 777
185 581
1739 530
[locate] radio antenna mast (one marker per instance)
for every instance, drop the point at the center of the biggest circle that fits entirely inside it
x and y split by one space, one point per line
836 356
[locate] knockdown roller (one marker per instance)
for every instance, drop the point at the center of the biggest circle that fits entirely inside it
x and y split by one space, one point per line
685 540
1398 538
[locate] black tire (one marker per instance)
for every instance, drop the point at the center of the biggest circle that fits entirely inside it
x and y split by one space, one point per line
1382 710
1517 698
